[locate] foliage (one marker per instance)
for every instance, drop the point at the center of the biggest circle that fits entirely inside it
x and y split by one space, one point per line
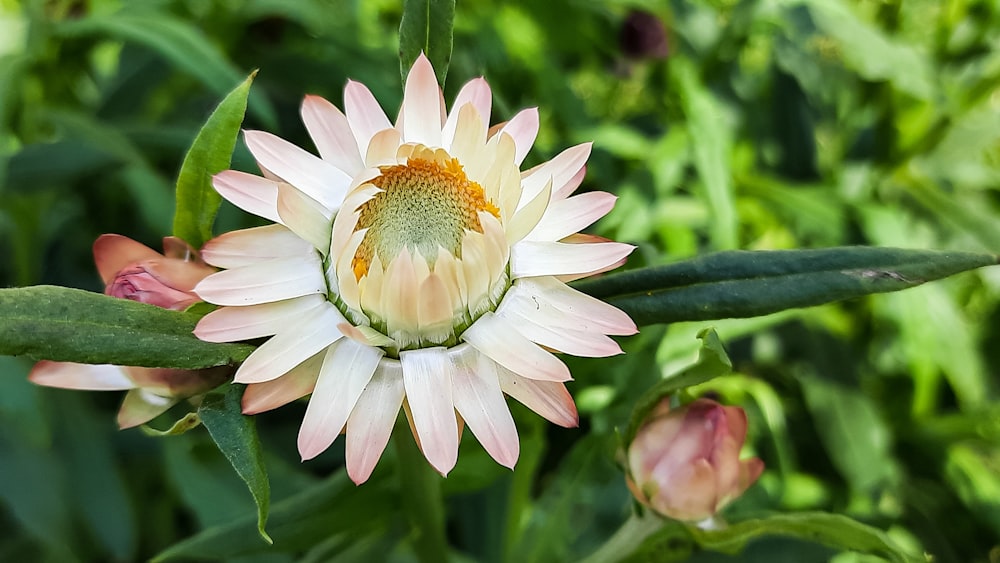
770 125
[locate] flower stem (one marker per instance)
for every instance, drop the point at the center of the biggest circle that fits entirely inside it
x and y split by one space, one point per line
628 537
422 502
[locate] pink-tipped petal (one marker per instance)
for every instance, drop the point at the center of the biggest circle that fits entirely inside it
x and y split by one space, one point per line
305 216
544 258
250 246
549 399
427 375
478 398
421 112
232 324
140 406
499 340
112 253
253 194
316 178
571 185
548 301
565 340
297 383
561 170
332 134
264 282
372 420
313 331
523 128
476 92
364 114
85 377
564 217
347 369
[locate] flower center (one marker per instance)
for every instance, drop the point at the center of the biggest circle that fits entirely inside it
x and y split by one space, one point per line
425 204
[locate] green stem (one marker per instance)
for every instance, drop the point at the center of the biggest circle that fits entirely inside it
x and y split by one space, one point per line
422 500
631 534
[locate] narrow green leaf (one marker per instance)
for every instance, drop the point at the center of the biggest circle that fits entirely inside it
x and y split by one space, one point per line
712 362
833 530
175 40
739 284
236 436
197 202
71 325
426 27
182 425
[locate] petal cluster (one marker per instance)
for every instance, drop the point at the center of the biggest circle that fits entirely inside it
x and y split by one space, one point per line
412 265
131 270
685 463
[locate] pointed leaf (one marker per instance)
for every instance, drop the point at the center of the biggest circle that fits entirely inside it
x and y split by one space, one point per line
426 27
236 436
71 325
197 201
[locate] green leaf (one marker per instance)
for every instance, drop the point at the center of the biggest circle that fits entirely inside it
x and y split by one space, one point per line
197 201
236 436
833 530
712 362
175 40
71 325
426 27
187 422
739 284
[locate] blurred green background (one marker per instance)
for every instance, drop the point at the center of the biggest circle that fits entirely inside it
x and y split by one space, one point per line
756 124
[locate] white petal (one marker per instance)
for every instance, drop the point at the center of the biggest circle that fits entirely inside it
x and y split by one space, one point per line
527 217
478 398
305 216
250 246
231 324
85 377
295 384
475 92
549 399
383 148
399 295
549 301
427 374
495 337
140 406
313 331
371 421
316 178
544 258
561 169
523 128
421 112
250 193
364 114
562 339
567 216
434 310
571 185
332 134
469 136
264 282
347 369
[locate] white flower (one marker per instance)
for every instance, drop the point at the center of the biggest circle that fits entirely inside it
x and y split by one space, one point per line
411 265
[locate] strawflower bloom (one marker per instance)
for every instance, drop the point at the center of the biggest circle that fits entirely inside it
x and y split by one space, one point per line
130 270
685 463
411 265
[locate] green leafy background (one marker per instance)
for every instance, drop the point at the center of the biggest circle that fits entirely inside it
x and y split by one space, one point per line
771 124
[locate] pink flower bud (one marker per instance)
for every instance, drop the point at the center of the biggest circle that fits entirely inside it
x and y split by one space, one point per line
685 464
133 271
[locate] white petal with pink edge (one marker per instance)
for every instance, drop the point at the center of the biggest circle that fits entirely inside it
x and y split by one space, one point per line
475 92
314 330
85 377
421 112
317 178
251 193
372 420
560 170
549 302
549 399
305 216
523 128
332 134
427 374
562 339
264 282
232 324
478 398
364 114
567 216
295 384
347 369
530 258
499 340
250 246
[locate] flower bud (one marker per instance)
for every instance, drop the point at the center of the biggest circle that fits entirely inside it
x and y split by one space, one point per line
133 271
684 463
